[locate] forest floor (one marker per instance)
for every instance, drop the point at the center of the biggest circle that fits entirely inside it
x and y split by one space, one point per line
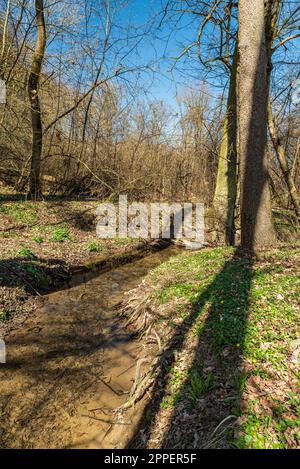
227 374
226 327
40 243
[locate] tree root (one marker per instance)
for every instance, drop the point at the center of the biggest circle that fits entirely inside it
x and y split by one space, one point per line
140 317
141 387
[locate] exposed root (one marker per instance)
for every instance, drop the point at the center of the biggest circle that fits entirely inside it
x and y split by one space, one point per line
220 431
158 340
141 388
137 309
137 374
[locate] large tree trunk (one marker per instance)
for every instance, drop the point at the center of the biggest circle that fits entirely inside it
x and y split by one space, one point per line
256 222
226 185
33 92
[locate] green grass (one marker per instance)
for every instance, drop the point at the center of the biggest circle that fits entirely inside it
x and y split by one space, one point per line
177 379
20 212
199 384
182 384
40 277
38 239
248 309
95 247
24 252
123 241
60 235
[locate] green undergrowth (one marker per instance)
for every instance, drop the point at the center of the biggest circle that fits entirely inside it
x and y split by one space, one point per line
247 310
57 229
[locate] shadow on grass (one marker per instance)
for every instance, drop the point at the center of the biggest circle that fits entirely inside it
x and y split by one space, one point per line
211 390
202 403
32 273
82 219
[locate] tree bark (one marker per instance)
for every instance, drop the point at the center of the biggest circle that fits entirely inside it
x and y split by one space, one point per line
4 33
226 185
272 9
256 222
281 156
34 98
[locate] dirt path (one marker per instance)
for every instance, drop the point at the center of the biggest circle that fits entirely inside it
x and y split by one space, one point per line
70 366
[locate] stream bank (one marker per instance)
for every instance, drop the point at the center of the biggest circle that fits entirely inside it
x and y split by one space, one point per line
42 244
72 365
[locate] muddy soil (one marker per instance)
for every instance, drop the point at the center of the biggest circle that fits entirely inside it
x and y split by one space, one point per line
72 365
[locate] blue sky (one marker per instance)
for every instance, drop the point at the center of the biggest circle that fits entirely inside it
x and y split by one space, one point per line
158 47
164 44
168 42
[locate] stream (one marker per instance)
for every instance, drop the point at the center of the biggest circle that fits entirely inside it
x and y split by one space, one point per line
71 365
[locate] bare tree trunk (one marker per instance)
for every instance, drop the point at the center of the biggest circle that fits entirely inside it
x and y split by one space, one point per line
226 185
33 92
281 156
272 9
256 224
4 33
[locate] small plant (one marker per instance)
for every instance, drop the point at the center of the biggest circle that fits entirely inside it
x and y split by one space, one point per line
39 276
122 241
170 401
24 252
167 402
199 385
38 239
94 247
4 315
60 235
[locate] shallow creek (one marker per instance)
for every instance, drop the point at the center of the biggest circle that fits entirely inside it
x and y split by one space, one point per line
71 365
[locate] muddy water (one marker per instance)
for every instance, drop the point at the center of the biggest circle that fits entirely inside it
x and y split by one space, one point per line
71 365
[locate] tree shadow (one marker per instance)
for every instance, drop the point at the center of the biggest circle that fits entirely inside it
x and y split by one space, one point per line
212 388
74 216
33 274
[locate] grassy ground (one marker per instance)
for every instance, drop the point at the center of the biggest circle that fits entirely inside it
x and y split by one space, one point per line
64 229
39 242
228 373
